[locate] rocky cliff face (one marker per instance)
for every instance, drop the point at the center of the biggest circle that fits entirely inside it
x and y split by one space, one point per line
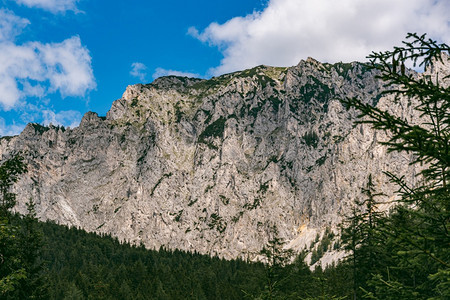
212 165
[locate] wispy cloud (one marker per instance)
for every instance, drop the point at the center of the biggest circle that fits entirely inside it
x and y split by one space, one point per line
10 129
68 118
54 6
35 68
139 70
159 72
11 25
287 31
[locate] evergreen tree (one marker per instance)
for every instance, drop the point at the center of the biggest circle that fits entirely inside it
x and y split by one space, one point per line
30 245
20 241
361 239
10 171
417 230
73 293
276 257
12 270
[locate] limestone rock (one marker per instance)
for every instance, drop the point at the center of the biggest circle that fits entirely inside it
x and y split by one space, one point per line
211 165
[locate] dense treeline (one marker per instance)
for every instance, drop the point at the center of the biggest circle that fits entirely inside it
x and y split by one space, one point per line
81 265
97 267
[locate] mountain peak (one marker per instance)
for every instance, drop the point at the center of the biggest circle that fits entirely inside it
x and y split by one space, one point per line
213 165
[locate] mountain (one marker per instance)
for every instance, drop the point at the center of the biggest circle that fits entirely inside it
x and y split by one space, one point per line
213 165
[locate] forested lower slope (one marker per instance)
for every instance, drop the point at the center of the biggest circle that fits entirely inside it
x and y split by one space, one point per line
81 265
86 265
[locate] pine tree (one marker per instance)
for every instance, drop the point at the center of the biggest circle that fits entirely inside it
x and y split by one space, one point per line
30 245
359 238
276 257
12 271
10 171
20 241
11 268
73 293
417 230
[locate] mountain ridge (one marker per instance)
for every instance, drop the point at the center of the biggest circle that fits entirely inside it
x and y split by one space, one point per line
212 165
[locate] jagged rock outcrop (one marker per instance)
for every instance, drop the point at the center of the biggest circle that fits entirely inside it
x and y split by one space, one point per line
212 165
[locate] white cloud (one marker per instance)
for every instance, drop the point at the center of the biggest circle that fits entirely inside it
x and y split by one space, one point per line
35 69
10 130
68 66
10 25
138 70
287 31
68 118
159 72
54 6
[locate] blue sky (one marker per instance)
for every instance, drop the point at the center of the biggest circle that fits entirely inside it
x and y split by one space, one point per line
62 58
